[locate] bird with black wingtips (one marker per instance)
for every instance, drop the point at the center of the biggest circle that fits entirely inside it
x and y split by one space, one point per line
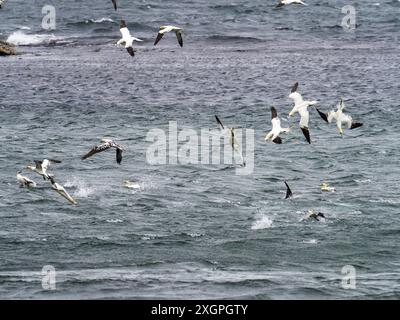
283 3
60 190
289 193
105 145
114 2
312 214
273 135
42 166
301 107
340 118
127 38
25 181
2 3
167 29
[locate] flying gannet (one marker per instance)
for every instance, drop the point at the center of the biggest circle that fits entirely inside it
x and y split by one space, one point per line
301 106
127 39
325 187
273 135
340 118
60 189
114 4
166 29
283 3
24 181
1 3
289 193
42 166
314 215
230 132
105 145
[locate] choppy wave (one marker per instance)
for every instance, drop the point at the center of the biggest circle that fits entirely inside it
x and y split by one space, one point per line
19 38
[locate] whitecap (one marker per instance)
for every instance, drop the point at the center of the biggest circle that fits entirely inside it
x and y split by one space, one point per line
19 38
262 222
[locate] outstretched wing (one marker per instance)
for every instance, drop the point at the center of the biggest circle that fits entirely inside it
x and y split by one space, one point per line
288 191
306 133
274 113
119 155
323 115
220 123
38 164
180 39
115 4
159 37
294 88
277 140
131 51
97 149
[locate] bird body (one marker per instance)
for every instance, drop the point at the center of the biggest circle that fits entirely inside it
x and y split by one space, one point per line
273 135
287 2
60 190
127 39
325 187
24 181
312 214
42 166
105 145
166 29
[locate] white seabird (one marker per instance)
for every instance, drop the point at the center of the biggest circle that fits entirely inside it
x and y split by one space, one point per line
131 185
314 215
340 118
1 3
24 181
283 3
273 135
166 29
114 4
127 39
325 187
105 145
42 166
60 189
230 132
289 193
301 106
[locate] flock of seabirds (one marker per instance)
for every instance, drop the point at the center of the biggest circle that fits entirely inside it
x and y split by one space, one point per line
301 107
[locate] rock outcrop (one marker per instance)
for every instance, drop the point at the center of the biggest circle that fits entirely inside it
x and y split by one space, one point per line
6 49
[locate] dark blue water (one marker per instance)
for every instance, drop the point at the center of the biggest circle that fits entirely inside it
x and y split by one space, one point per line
199 231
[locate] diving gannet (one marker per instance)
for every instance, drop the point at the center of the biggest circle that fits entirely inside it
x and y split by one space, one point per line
340 118
287 2
301 107
60 189
41 167
114 4
289 193
24 181
127 39
166 29
273 135
230 132
314 215
105 145
325 187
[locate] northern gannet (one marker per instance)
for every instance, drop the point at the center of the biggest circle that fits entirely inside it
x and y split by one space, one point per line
60 189
230 132
1 3
314 215
131 185
287 2
340 118
41 167
24 181
325 187
289 193
301 106
166 29
273 135
127 39
114 4
105 145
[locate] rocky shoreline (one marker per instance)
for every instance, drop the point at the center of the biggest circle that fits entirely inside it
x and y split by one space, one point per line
7 49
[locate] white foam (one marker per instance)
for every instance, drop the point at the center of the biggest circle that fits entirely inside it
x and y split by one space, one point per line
262 222
100 20
19 38
82 189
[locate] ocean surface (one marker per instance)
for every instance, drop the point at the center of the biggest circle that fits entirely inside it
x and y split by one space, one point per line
196 231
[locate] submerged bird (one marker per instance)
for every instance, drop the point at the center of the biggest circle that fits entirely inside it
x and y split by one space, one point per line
287 2
230 132
127 39
24 181
314 215
273 135
41 167
60 189
105 145
289 193
325 187
131 185
166 29
340 118
114 4
301 106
